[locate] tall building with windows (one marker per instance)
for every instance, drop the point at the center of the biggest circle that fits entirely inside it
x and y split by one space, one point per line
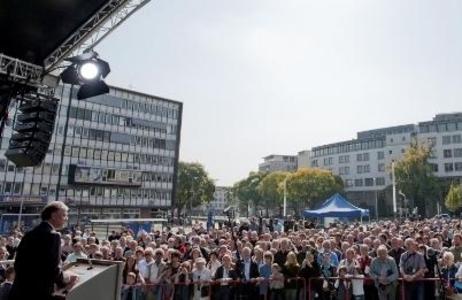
364 163
276 162
120 158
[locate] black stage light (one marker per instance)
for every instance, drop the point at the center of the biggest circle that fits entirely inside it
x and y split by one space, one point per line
88 71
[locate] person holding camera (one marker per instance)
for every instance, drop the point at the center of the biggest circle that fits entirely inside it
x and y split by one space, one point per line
384 271
412 266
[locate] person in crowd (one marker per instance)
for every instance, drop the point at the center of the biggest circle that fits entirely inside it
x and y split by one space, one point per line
6 285
310 272
449 273
214 263
78 253
290 270
130 267
201 277
365 260
247 273
384 271
277 282
182 281
343 284
265 274
412 267
225 274
456 248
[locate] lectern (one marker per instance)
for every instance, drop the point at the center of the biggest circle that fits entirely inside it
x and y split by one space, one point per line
98 279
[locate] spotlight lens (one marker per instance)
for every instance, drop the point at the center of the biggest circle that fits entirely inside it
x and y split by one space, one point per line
89 71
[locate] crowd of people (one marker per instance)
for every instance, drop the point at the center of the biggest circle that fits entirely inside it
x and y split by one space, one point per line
251 260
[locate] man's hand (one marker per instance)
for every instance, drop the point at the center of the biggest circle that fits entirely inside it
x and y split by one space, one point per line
73 279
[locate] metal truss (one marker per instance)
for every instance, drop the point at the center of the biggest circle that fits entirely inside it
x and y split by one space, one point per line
20 71
90 34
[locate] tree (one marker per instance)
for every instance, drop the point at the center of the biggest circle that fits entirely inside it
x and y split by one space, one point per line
415 178
453 199
271 191
247 191
194 186
311 184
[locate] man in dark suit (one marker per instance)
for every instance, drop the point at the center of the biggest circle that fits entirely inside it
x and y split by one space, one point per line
37 263
248 273
224 274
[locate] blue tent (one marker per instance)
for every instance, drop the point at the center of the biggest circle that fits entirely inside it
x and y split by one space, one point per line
337 207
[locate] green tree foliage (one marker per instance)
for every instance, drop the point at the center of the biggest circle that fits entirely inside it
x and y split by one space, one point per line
311 184
453 199
247 190
194 185
271 189
414 176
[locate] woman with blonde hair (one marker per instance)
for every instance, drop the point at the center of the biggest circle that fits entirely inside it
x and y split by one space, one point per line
290 270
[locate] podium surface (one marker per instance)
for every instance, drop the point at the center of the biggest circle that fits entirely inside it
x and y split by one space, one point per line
98 279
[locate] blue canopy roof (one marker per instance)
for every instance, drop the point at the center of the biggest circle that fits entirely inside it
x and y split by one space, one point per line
336 206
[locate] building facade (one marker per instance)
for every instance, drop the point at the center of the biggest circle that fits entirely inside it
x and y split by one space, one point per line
221 199
120 158
303 159
365 163
277 162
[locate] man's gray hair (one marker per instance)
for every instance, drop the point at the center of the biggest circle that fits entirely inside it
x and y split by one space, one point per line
52 207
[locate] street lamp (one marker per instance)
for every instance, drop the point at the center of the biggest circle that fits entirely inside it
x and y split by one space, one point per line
284 212
376 200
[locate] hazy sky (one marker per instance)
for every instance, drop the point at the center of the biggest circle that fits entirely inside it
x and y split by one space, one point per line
258 77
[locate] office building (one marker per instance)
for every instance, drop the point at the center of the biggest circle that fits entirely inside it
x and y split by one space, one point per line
120 158
277 162
365 163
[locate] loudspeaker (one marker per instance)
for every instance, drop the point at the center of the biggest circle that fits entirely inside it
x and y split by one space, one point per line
34 127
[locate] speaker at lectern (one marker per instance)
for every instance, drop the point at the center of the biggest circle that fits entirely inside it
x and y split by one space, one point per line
98 279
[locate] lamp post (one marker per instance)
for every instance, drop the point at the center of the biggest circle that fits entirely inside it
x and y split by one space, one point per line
285 199
376 200
394 186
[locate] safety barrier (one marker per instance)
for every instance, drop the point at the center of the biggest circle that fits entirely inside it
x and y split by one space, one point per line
296 288
317 285
218 289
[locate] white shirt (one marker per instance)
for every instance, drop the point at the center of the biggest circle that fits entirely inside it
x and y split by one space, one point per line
71 258
213 266
247 269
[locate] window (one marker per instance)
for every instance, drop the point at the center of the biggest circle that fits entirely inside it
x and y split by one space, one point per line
362 157
380 181
358 182
458 166
456 139
431 141
446 139
328 161
447 153
380 155
314 163
381 167
349 183
359 169
344 159
344 170
369 182
448 167
458 152
434 167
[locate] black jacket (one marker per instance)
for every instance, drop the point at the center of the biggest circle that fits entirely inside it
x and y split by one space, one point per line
37 264
253 273
231 274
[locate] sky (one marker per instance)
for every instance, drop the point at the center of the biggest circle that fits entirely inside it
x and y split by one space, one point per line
260 77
